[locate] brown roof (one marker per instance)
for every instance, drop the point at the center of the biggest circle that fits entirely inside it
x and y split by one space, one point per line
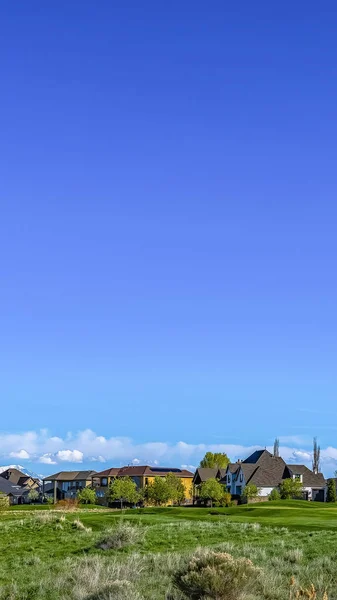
113 472
70 476
137 471
309 478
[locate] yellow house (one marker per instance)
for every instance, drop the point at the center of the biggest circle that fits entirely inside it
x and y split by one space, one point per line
142 476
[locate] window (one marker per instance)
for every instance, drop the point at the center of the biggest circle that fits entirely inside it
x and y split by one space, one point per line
146 481
228 479
104 481
298 476
241 477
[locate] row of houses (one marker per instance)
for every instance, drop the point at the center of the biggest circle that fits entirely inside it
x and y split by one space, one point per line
261 469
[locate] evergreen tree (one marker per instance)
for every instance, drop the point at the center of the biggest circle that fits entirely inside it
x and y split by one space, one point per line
277 447
316 457
331 494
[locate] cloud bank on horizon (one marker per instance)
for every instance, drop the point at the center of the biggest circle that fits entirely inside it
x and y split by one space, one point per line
39 447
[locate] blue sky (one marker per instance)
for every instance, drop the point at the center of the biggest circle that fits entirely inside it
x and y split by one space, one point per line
168 229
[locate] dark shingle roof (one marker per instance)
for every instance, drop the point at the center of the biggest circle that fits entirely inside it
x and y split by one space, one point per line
14 476
70 476
309 478
8 488
256 456
203 474
233 467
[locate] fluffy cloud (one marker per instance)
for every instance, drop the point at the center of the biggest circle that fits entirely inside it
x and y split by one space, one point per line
73 456
22 454
47 459
88 447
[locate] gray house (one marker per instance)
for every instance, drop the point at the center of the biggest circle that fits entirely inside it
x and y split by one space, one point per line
66 484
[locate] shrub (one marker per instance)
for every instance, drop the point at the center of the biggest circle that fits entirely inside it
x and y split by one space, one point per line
216 575
274 495
225 500
124 534
4 501
68 504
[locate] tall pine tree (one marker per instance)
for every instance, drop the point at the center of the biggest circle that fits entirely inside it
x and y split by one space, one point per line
277 447
316 457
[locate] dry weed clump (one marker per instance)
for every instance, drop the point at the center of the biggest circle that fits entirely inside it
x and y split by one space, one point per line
309 593
216 576
116 590
77 524
121 536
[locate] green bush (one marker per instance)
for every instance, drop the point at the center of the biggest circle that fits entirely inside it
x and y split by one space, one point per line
225 500
274 495
216 575
121 536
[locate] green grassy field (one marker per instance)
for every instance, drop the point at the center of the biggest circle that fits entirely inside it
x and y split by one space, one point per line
46 554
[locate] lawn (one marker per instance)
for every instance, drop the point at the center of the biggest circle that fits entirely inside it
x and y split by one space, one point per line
48 554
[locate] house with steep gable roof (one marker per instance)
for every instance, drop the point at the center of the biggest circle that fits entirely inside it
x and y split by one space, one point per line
267 472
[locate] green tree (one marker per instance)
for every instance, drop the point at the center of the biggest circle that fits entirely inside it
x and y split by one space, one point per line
291 488
33 495
159 491
123 489
250 491
316 457
176 486
331 493
211 490
86 496
274 495
213 460
277 447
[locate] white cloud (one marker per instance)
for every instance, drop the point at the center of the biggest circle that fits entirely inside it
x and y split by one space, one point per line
46 459
23 454
73 456
88 447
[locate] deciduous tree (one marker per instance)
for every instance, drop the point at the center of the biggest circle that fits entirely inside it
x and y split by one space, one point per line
213 460
250 491
123 489
158 492
291 488
33 495
211 490
176 486
87 496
